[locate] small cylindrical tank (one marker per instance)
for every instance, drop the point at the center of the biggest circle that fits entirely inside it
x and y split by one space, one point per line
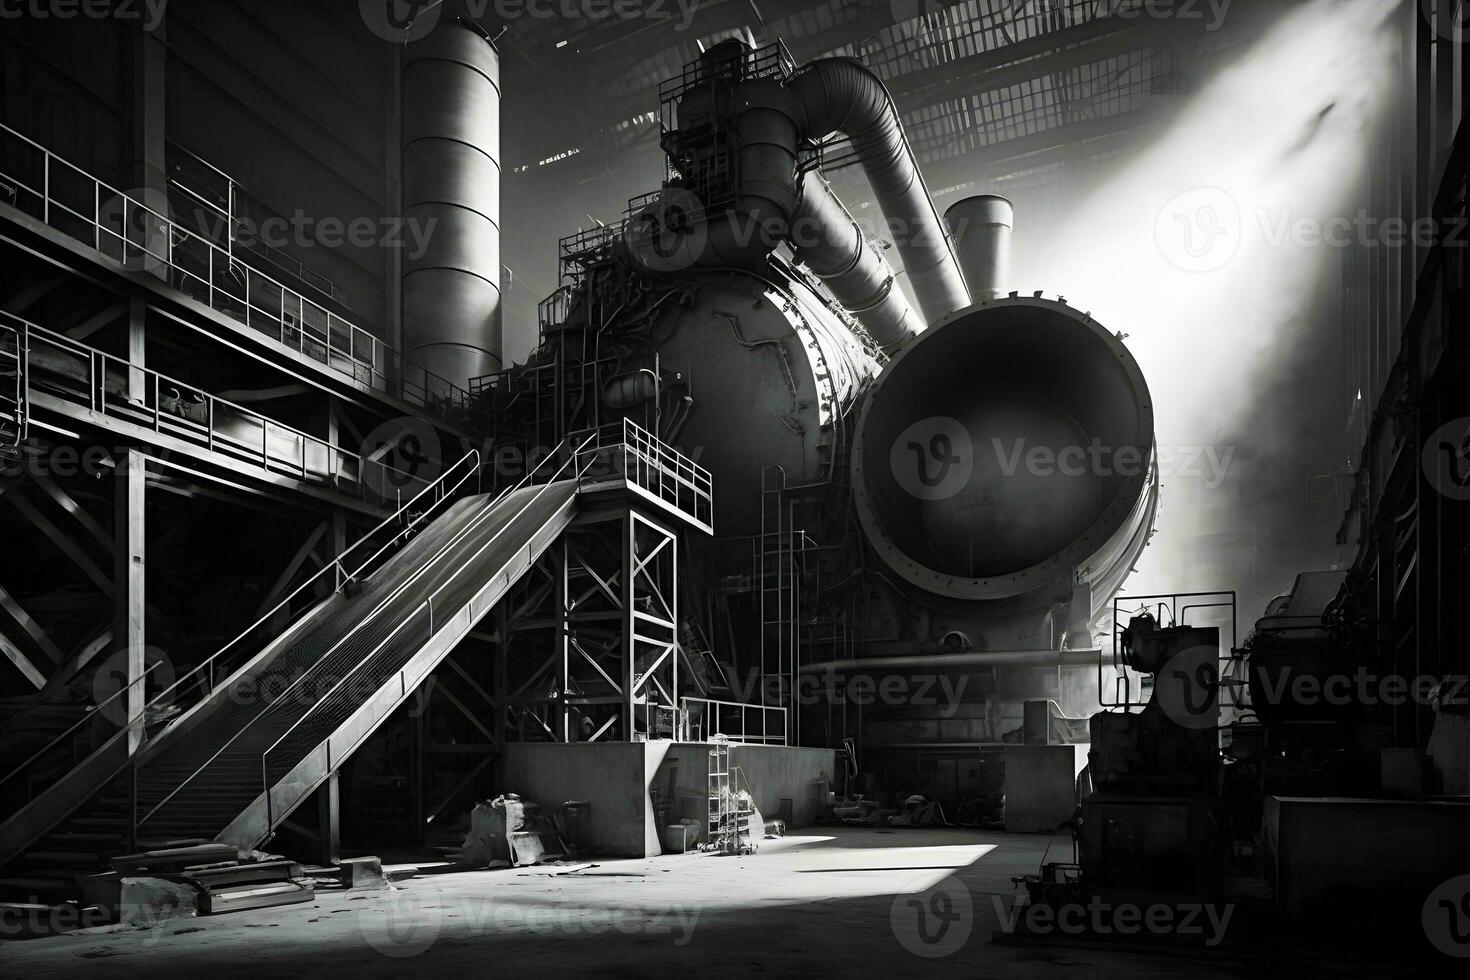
980 227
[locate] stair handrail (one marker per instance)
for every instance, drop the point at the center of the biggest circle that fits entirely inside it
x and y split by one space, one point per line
572 458
335 563
370 617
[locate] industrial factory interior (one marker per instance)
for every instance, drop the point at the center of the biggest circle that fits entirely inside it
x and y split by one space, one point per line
734 487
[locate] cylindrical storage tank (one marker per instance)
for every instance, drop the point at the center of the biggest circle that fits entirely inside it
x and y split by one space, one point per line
981 230
451 192
1007 447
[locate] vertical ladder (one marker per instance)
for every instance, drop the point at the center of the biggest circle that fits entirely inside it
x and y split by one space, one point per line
777 594
12 391
720 824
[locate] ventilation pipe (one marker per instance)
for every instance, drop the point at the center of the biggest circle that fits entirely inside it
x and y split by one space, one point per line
838 95
981 229
451 184
831 244
771 120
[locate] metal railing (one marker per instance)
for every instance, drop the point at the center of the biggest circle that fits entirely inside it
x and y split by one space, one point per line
13 402
72 201
573 457
116 388
203 679
732 720
1160 605
660 471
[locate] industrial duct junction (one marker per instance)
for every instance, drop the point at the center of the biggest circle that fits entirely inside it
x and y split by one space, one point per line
768 119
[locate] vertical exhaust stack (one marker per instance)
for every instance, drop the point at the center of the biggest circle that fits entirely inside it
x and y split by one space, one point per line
981 229
451 190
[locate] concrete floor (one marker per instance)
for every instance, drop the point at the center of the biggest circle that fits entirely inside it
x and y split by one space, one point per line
840 901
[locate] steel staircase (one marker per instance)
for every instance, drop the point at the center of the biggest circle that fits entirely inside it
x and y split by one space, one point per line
283 707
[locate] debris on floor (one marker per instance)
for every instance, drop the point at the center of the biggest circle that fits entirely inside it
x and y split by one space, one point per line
510 831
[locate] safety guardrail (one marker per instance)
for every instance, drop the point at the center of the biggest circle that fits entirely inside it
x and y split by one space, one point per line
13 407
657 469
113 387
116 224
702 719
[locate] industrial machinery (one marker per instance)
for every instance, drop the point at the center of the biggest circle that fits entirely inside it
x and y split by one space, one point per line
1151 828
879 490
945 488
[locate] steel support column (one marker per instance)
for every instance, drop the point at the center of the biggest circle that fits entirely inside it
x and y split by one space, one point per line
129 593
329 821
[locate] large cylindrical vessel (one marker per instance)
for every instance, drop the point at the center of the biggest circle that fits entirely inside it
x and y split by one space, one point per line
770 370
1006 450
451 192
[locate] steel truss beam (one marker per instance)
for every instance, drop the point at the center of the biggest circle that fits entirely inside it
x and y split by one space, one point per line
591 646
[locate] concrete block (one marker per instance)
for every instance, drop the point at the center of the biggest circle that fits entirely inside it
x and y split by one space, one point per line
362 872
140 901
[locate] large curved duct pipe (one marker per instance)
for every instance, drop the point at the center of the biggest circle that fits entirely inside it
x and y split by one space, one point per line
451 188
838 95
772 119
831 244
